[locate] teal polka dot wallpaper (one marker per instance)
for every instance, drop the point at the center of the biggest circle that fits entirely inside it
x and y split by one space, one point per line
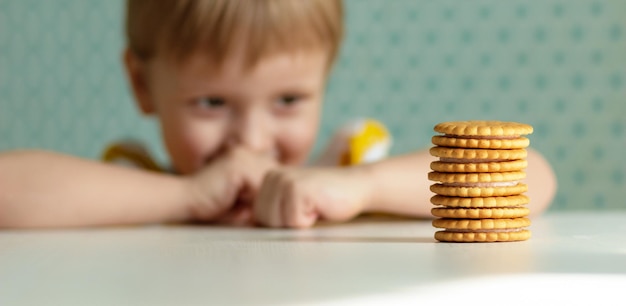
559 65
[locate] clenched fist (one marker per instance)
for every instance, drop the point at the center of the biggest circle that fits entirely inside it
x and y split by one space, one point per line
298 197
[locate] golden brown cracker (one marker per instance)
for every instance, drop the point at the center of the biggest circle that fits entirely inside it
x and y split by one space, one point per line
481 213
446 236
453 191
480 154
505 166
482 177
483 128
478 202
481 143
481 224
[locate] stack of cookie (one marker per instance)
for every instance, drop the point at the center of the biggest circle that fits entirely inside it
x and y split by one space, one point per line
479 189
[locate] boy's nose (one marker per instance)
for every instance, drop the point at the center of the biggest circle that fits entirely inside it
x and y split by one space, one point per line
254 134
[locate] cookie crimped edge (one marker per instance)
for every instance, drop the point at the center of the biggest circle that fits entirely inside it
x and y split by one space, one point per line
445 236
483 128
480 213
481 224
448 141
483 154
505 166
452 191
480 202
481 177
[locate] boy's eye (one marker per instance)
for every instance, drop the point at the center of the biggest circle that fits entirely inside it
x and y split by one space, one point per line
288 100
210 102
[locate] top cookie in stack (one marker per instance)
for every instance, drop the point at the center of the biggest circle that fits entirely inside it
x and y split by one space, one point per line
479 173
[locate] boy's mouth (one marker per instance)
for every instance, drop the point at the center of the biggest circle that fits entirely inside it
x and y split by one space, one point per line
273 154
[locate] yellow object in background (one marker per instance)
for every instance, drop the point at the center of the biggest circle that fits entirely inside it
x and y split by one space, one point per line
368 141
360 141
132 153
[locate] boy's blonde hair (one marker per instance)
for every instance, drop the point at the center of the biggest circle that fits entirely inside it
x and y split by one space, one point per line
179 28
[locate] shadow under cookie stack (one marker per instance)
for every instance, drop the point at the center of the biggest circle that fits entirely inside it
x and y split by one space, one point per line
479 189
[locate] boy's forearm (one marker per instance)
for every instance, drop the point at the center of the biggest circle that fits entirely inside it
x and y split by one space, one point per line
44 189
400 185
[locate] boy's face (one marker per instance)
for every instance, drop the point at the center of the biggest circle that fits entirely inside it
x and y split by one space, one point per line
272 108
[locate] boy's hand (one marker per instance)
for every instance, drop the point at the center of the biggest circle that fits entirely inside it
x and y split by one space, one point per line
223 190
292 197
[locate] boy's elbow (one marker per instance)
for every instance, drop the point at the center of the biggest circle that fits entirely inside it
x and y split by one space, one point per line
542 182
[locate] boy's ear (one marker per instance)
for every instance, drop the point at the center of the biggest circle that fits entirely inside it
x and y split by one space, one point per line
137 77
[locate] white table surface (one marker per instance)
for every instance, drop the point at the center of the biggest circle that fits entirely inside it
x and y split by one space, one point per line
575 257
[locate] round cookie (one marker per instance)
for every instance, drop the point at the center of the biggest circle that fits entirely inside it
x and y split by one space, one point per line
470 178
453 191
445 236
481 224
481 213
478 202
480 154
481 143
484 128
505 166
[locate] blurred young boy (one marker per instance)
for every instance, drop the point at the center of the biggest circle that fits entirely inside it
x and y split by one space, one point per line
237 87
